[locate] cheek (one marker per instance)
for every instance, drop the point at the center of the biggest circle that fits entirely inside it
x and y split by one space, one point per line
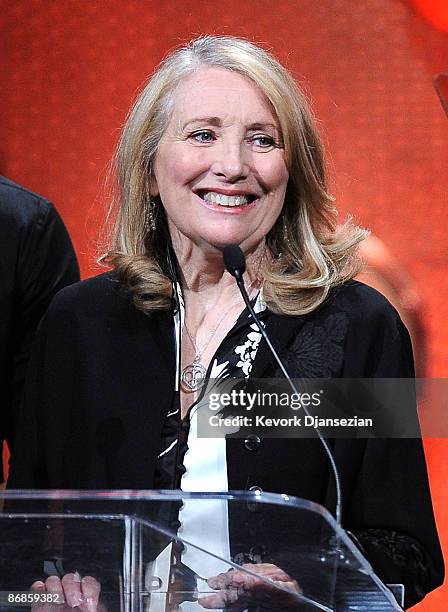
177 169
275 175
281 176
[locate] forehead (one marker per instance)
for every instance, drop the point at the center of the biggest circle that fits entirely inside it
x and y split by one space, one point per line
213 91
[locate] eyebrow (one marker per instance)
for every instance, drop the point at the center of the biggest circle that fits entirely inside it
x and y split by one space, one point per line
217 122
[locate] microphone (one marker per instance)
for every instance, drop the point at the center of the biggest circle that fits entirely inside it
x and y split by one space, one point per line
235 263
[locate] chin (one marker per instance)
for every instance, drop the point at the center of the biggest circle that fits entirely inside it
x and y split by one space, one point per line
246 244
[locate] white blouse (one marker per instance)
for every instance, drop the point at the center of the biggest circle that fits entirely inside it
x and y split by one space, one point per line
206 471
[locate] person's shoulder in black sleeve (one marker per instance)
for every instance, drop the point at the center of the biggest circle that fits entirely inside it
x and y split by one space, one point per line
37 260
84 422
388 506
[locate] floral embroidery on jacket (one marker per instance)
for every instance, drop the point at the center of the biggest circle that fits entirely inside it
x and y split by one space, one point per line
317 350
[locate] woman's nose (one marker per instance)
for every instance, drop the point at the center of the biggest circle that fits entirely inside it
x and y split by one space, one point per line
231 161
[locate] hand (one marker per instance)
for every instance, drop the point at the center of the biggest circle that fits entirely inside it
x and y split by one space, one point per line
237 590
76 592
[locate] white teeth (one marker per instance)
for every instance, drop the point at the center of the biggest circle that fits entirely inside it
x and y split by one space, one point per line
225 200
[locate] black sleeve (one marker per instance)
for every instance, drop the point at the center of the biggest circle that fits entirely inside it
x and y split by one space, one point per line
389 509
84 421
52 399
27 464
46 264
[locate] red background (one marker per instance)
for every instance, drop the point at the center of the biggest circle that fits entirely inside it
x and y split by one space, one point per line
72 67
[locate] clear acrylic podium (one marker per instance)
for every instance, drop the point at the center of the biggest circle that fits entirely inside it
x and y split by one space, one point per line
155 551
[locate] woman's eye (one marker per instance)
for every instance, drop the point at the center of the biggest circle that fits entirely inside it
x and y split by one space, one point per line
202 136
264 142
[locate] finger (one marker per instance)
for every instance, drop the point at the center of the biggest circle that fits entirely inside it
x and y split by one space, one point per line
267 570
226 580
218 601
274 574
292 585
280 578
244 590
53 584
38 587
91 590
220 581
72 589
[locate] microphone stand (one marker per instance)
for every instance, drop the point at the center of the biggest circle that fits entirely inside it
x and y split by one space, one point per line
235 263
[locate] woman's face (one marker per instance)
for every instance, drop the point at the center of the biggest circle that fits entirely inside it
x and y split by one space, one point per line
220 169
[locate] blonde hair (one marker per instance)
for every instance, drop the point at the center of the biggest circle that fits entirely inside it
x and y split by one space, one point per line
310 253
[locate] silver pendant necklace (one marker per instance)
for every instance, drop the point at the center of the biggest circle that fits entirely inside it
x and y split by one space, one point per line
193 375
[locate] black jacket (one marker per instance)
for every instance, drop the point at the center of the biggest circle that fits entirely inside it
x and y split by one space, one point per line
102 381
37 260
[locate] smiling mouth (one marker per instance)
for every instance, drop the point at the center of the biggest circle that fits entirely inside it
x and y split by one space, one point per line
230 201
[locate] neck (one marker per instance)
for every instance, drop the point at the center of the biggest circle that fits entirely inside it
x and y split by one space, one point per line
203 277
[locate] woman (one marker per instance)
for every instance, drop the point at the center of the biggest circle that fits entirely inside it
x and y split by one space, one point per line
221 148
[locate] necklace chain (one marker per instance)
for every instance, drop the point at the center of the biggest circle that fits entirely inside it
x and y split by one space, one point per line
199 353
193 374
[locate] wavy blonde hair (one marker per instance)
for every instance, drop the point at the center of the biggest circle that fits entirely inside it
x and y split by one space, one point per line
310 253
